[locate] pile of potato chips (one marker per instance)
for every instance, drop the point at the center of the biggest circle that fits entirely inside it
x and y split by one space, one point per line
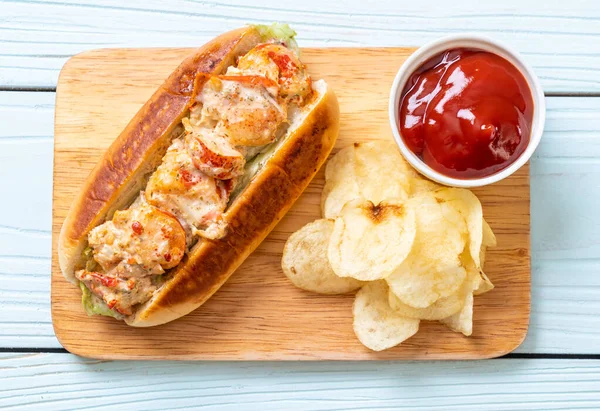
414 248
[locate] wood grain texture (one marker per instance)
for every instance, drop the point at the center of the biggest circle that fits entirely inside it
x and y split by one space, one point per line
560 39
565 303
258 314
61 382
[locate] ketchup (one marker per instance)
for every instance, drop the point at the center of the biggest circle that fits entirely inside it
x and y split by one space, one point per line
466 113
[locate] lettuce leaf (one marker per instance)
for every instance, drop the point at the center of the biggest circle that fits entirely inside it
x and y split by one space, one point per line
93 305
278 31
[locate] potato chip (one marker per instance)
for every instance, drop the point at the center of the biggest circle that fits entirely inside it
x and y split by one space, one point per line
442 308
370 241
376 325
421 244
420 185
341 164
374 171
305 261
469 207
482 255
433 269
484 285
340 183
480 283
462 321
488 236
381 171
488 240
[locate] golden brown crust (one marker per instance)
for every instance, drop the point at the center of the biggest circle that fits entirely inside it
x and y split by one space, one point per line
120 175
251 217
138 150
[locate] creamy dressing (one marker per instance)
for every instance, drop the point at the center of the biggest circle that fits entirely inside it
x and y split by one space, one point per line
242 111
117 293
141 236
195 198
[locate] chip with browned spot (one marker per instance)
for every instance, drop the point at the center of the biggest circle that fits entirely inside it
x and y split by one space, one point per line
370 241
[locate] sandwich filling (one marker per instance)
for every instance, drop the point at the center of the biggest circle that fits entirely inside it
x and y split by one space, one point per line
233 119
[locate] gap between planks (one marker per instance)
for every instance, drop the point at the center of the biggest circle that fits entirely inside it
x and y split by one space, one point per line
507 356
53 90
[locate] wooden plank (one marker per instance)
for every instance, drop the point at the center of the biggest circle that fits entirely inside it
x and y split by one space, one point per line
565 303
561 39
99 91
26 174
566 230
59 381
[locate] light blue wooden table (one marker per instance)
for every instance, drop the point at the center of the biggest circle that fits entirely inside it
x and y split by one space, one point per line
558 366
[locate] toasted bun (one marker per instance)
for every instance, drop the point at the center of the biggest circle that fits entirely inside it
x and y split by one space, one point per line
120 175
284 172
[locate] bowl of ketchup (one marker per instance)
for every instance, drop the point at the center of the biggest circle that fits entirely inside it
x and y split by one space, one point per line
466 111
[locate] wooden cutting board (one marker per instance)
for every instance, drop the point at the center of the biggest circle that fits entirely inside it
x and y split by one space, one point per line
258 314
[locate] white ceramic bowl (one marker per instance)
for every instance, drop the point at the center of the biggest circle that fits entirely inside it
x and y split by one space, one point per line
473 41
